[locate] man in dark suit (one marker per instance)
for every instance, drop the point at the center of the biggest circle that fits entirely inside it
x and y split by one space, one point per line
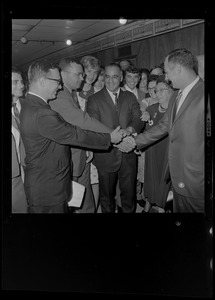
184 122
66 104
46 137
19 201
114 107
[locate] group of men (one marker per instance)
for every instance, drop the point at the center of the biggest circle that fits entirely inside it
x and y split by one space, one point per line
53 128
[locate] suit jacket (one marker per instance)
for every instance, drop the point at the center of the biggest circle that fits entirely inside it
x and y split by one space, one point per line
16 170
101 106
140 94
186 142
46 137
70 110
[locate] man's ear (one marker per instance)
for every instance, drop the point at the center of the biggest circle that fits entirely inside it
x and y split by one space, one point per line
178 68
121 77
42 81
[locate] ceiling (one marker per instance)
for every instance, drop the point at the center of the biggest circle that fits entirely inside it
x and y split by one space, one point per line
47 36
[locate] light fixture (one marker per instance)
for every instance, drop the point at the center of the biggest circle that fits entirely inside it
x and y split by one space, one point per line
69 42
24 40
122 21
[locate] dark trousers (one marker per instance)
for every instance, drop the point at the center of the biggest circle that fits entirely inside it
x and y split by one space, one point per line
19 202
60 208
127 175
182 204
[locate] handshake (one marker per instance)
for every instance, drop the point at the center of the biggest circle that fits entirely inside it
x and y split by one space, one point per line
123 139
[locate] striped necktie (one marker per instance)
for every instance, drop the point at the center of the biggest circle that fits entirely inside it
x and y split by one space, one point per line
16 114
176 105
116 101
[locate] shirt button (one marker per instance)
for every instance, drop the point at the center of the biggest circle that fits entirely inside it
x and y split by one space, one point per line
181 185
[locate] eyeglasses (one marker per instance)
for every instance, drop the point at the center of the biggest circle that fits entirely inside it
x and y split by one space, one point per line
161 90
59 81
152 89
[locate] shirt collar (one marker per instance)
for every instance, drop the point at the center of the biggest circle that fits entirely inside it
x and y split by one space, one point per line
189 87
134 91
111 93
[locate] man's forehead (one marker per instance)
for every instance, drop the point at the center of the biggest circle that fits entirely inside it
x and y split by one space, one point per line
132 74
112 69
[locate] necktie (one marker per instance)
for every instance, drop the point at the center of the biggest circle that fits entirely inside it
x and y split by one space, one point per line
16 114
116 101
176 105
75 97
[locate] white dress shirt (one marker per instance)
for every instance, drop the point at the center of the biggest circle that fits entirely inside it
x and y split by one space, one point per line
134 91
113 96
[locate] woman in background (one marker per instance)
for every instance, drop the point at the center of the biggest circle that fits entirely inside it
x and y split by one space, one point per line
155 188
92 83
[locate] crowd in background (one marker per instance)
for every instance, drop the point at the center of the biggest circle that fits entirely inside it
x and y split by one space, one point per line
111 129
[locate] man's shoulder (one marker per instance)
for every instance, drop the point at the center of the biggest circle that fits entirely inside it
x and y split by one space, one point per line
97 95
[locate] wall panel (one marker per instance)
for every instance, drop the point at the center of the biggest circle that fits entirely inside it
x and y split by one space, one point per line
152 51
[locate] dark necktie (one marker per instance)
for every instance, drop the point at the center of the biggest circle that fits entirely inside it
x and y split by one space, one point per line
75 97
116 101
176 105
16 114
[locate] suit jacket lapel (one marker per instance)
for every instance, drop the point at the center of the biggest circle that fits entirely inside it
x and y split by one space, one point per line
187 100
109 99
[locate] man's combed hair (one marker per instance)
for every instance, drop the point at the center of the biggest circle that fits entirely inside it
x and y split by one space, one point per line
132 69
183 57
39 69
66 62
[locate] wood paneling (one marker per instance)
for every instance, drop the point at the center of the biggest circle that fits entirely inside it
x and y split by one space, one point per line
152 51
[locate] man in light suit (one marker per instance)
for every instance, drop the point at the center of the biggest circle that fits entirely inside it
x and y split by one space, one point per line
19 202
66 104
46 137
184 122
114 107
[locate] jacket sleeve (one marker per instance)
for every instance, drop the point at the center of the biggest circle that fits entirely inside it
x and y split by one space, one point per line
52 126
153 134
136 122
76 116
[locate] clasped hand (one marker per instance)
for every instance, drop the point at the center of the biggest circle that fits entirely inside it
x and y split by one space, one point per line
127 142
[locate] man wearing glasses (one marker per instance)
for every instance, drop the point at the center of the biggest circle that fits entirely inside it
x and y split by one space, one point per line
46 137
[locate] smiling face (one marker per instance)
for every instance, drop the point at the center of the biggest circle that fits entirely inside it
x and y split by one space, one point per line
143 81
17 85
152 89
163 93
131 79
91 74
113 77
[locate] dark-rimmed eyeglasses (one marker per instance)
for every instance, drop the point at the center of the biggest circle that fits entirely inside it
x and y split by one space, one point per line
152 89
59 81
